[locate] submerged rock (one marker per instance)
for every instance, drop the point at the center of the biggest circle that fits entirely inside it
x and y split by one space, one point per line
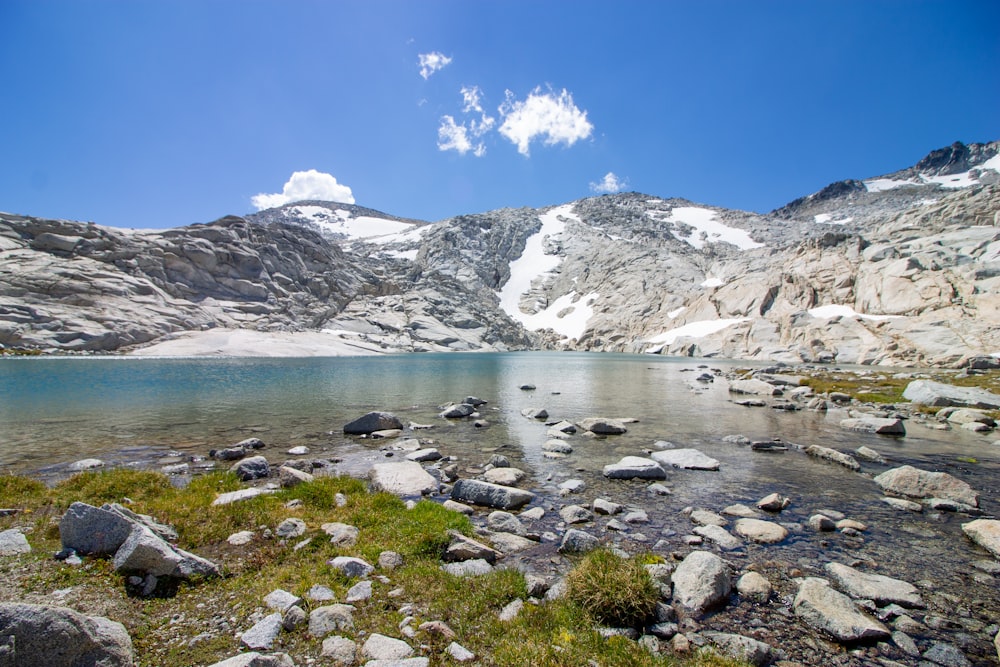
823 608
917 483
985 533
371 422
876 587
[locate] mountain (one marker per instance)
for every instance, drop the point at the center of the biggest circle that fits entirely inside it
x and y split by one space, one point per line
900 269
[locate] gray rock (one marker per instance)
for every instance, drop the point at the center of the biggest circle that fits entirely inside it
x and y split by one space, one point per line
701 581
59 637
505 476
462 548
331 618
947 655
636 516
927 392
318 593
146 552
742 648
576 514
371 422
833 455
280 600
289 477
509 543
878 425
390 560
504 522
535 413
290 528
658 489
241 538
92 530
754 387
426 454
719 535
563 427
758 530
294 618
359 592
632 467
408 662
916 483
985 533
13 542
901 504
706 518
740 510
754 586
605 507
351 567
85 464
255 467
239 495
821 523
457 411
339 649
263 633
879 588
773 502
690 459
511 610
603 426
557 446
254 659
341 534
572 486
381 647
577 542
825 609
964 416
459 653
490 495
403 478
468 568
869 454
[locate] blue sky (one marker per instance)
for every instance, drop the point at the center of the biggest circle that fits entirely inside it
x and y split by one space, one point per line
147 113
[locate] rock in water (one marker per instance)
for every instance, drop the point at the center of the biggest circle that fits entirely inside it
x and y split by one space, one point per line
631 467
985 533
823 608
603 426
881 589
371 422
701 581
927 392
690 459
405 478
758 530
833 455
490 495
60 637
877 425
917 483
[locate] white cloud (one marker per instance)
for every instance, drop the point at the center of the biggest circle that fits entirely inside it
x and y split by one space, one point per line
610 184
432 62
459 137
305 185
553 118
453 137
472 95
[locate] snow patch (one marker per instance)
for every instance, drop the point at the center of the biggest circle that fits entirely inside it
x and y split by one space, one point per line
713 282
707 229
403 254
830 311
883 184
676 311
341 222
827 219
533 261
952 181
570 324
693 330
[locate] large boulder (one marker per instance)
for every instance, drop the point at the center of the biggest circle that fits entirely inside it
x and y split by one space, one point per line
701 581
879 425
985 533
690 459
255 467
371 422
59 637
917 483
928 392
876 587
490 495
403 478
603 426
826 609
631 467
93 531
146 552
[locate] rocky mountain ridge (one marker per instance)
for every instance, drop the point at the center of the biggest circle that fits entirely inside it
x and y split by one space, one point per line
901 269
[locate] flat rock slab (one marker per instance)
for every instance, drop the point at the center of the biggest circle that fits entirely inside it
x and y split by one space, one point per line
879 425
985 533
490 495
917 483
402 478
381 647
927 392
830 611
758 530
632 467
690 459
833 456
701 581
881 589
240 495
719 535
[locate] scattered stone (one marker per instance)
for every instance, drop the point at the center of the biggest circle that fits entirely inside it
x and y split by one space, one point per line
371 422
869 454
534 514
42 636
631 467
386 433
13 543
239 495
254 659
576 514
331 618
753 386
773 503
339 649
719 535
822 523
701 581
505 476
263 633
318 593
527 387
563 427
300 450
658 489
289 477
985 533
742 648
424 455
280 600
690 459
93 530
85 464
823 608
255 467
504 522
900 504
290 528
403 478
605 507
459 653
294 618
706 518
468 568
463 548
927 392
916 483
754 586
390 560
351 567
768 446
490 495
577 541
636 516
603 426
535 413
740 510
341 534
511 610
947 655
359 592
879 425
555 446
146 552
510 543
572 486
833 455
241 538
461 508
457 411
758 530
881 589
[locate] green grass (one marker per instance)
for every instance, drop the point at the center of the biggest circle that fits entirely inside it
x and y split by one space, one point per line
615 591
554 633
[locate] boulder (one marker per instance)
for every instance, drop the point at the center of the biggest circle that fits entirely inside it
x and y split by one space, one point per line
403 478
289 477
255 467
330 618
504 522
381 647
758 530
490 495
833 455
603 426
254 659
754 387
575 514
351 567
964 416
876 587
927 392
773 502
577 542
701 581
742 648
464 548
690 459
985 533
754 585
263 633
457 411
371 422
879 425
46 636
830 611
93 531
917 483
146 552
631 467
719 535
13 543
504 476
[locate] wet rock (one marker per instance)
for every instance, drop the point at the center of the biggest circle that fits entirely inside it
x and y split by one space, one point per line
351 567
563 427
916 483
877 425
572 486
869 454
263 633
490 495
946 655
901 504
821 523
464 548
719 535
331 618
423 455
403 478
557 447
985 533
740 510
577 541
833 455
881 589
632 467
658 489
535 413
742 648
576 514
927 392
461 508
44 636
773 502
605 507
85 464
963 416
300 450
758 530
371 422
457 411
754 586
706 518
690 459
13 543
255 467
701 581
826 609
509 543
603 426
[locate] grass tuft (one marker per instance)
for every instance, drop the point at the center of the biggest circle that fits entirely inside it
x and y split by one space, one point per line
615 591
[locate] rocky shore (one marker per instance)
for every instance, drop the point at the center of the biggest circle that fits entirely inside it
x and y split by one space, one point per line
904 574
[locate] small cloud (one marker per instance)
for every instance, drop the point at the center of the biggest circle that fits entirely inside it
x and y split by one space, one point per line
471 96
553 118
432 62
459 137
610 184
453 137
305 185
